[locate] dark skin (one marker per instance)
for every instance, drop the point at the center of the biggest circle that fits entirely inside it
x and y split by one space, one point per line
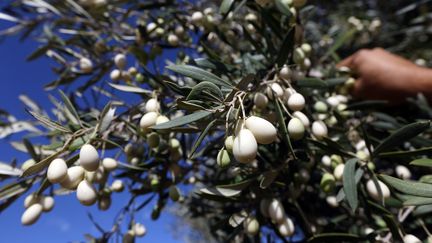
381 75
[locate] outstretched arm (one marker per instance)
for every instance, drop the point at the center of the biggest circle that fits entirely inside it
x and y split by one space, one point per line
385 76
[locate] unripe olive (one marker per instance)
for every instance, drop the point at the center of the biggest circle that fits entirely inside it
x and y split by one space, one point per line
408 238
27 164
319 129
104 203
223 158
174 193
296 102
286 227
338 171
245 146
129 237
173 40
327 183
154 184
152 105
148 120
373 190
260 100
120 61
117 186
89 157
276 211
229 142
285 72
306 64
86 193
161 119
306 48
362 155
371 166
332 201
263 131
303 118
100 176
403 172
74 176
296 129
109 164
298 56
139 229
155 213
139 78
320 107
31 214
85 65
335 160
47 203
57 171
326 160
153 140
251 225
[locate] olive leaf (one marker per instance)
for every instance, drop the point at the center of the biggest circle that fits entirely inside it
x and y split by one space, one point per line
180 121
350 184
408 187
198 74
49 123
422 162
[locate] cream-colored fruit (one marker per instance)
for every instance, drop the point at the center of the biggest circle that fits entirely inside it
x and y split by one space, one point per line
263 131
161 119
320 107
260 100
173 40
251 226
296 102
319 129
132 71
296 129
332 201
120 60
288 92
197 17
239 126
326 160
307 49
303 118
223 158
251 17
30 200
57 171
115 75
286 227
373 190
89 157
47 203
104 203
276 211
403 172
285 72
86 193
179 30
409 238
333 101
117 186
74 176
245 146
109 164
298 56
148 120
85 65
151 27
100 175
338 171
229 142
27 164
152 105
139 229
31 214
276 90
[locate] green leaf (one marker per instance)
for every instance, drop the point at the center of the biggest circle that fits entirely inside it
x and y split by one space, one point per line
14 189
422 162
198 74
226 6
416 201
201 137
41 164
340 40
49 123
408 187
368 104
106 117
335 81
286 48
70 107
202 89
312 83
402 135
180 121
349 183
268 177
283 8
422 151
130 89
38 52
335 237
225 192
283 127
30 149
358 175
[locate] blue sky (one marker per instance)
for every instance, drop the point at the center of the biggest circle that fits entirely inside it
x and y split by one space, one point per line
68 221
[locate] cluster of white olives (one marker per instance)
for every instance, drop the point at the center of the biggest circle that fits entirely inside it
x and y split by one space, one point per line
136 230
273 209
78 177
120 73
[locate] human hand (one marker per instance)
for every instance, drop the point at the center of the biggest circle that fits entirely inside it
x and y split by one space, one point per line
381 75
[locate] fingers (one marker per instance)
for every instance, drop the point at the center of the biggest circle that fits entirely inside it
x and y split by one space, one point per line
357 89
347 62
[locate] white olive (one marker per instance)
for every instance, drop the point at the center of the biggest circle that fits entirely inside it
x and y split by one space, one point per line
332 201
85 65
245 146
286 227
173 40
409 238
86 193
148 120
303 118
47 203
74 176
152 105
285 72
263 131
120 61
319 129
373 190
403 172
276 211
296 129
57 171
31 214
117 186
115 75
251 225
296 102
109 164
89 157
260 100
338 171
139 229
